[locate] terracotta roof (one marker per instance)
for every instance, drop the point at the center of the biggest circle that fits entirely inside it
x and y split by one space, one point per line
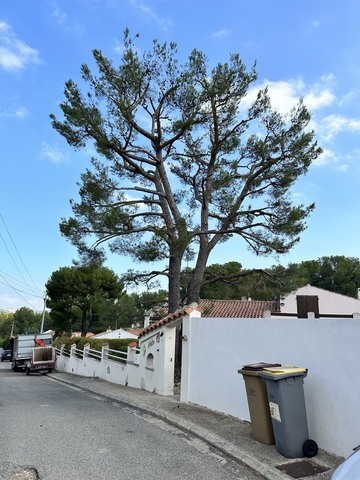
220 309
134 331
237 308
78 334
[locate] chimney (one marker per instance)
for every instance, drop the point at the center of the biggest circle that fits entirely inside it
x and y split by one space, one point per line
147 319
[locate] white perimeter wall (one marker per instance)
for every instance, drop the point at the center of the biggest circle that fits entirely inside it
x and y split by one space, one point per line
329 348
152 370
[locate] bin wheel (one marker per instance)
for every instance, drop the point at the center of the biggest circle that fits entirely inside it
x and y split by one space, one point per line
310 448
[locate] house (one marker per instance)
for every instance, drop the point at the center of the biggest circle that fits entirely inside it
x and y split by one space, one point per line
119 333
320 302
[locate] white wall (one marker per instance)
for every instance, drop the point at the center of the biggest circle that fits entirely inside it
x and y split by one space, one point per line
329 302
153 370
121 374
329 348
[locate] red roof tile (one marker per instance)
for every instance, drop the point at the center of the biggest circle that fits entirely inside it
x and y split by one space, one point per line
134 330
237 308
219 309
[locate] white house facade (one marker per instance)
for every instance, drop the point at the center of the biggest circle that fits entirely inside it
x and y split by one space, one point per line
118 333
329 303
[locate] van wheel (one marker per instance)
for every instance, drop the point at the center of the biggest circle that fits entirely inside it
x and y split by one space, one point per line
27 371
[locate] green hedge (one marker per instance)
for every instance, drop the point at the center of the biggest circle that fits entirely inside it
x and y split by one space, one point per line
95 343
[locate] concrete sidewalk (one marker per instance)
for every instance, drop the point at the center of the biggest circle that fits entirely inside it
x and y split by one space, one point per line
224 432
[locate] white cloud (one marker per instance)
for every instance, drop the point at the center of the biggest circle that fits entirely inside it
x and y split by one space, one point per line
285 94
119 48
299 198
15 55
8 301
332 125
348 98
327 156
59 15
14 112
251 44
314 100
54 154
343 167
220 33
341 162
320 94
21 112
163 23
63 20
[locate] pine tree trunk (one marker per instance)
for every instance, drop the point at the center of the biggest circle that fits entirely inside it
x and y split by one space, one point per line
174 283
197 277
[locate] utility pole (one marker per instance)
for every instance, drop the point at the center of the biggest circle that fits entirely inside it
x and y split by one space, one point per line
12 328
43 316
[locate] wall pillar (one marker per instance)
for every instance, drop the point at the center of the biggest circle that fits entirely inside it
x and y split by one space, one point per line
166 361
186 355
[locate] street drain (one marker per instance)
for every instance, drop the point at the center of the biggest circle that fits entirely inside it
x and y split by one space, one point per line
301 468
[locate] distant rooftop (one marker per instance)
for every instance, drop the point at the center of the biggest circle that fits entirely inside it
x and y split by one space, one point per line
237 308
220 309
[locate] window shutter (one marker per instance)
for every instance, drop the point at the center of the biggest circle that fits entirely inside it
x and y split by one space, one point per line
307 303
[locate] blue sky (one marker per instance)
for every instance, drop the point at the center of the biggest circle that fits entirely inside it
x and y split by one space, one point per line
307 49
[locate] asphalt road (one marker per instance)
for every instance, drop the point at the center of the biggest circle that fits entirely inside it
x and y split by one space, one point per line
51 431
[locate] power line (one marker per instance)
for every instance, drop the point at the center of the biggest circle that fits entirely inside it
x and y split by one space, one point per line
16 290
12 258
18 285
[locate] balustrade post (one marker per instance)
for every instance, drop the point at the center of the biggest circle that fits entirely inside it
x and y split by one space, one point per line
131 352
104 352
86 349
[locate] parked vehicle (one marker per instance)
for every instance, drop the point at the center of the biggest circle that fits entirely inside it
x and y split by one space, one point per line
349 469
33 353
6 356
